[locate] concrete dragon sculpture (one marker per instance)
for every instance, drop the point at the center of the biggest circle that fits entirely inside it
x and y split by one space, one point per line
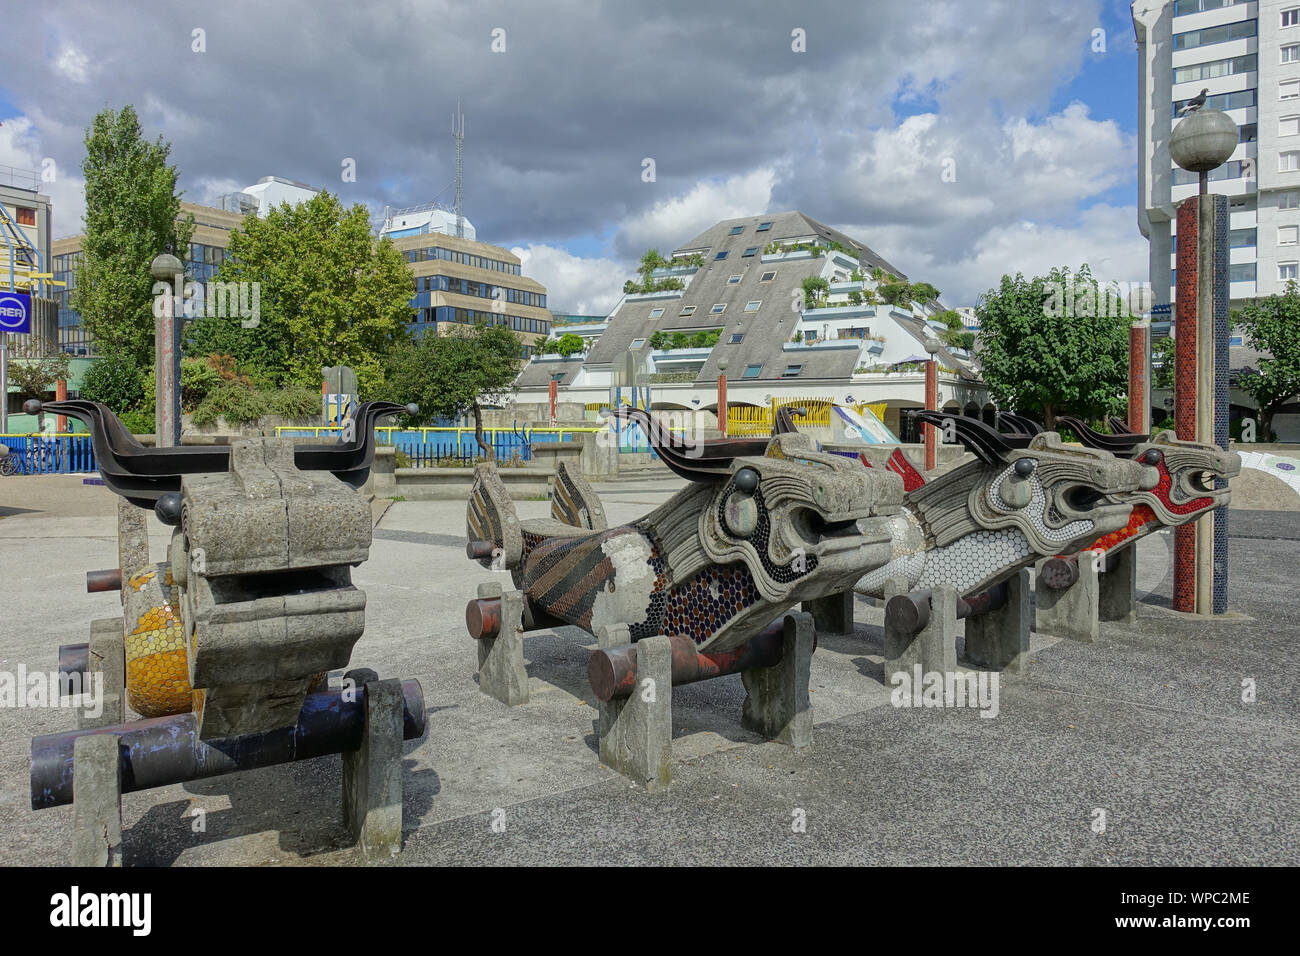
255 603
1024 497
762 525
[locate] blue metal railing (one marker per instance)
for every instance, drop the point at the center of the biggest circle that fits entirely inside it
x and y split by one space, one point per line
62 454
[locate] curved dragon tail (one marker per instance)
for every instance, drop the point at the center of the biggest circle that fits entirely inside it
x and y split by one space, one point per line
495 537
574 502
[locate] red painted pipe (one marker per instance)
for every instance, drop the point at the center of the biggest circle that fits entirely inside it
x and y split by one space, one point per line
612 670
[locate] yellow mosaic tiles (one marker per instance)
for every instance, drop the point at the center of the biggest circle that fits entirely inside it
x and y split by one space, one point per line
157 668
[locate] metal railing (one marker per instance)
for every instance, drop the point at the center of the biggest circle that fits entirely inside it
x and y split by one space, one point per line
62 453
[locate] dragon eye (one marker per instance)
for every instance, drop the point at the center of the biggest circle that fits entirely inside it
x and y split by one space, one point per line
747 479
1025 467
1152 456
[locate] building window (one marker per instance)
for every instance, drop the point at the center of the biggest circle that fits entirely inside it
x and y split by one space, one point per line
791 371
1289 199
718 308
736 338
1288 90
26 217
1241 272
1227 67
1290 17
763 227
636 344
753 305
1241 238
1288 235
720 255
655 313
1288 126
1289 161
1249 132
750 251
687 310
733 280
1220 34
1235 340
752 371
1286 271
767 276
1291 53
736 230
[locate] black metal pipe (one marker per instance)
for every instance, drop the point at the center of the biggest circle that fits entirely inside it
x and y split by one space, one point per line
910 612
166 750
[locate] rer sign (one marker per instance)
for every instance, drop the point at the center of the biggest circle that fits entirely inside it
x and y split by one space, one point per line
15 312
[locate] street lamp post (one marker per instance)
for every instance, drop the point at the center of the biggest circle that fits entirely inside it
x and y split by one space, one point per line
168 316
722 397
931 399
1202 141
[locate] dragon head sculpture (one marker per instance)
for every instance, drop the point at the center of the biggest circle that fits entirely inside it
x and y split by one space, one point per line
1026 496
1182 480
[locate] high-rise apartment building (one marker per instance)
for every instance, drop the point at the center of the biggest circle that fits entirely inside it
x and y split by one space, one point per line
1246 55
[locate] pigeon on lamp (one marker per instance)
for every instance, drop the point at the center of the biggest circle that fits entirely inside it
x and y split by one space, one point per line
1195 103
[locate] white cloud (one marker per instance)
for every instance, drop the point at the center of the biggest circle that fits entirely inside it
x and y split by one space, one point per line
581 286
20 147
72 64
1106 237
671 222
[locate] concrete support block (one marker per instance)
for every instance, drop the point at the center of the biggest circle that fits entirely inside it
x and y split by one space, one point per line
372 774
1071 612
934 647
636 732
832 614
1117 595
501 672
132 540
97 801
107 662
999 640
776 698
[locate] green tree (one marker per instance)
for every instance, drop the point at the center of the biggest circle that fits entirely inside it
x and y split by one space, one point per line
815 291
1272 325
570 344
1054 343
37 366
1163 351
448 376
116 381
132 215
328 295
956 335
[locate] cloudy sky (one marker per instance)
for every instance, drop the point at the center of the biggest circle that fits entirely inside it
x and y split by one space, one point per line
961 139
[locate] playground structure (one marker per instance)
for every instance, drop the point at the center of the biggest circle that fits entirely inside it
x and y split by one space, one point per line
226 646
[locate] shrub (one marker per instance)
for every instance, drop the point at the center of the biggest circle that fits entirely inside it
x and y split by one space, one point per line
116 381
237 404
295 403
138 421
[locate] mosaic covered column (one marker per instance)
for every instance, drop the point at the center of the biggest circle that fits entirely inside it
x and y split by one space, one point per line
1201 390
1139 378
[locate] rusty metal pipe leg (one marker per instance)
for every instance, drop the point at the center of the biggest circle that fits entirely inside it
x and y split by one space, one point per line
108 579
612 670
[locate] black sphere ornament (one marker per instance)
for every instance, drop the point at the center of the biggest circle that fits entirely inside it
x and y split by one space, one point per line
747 479
168 508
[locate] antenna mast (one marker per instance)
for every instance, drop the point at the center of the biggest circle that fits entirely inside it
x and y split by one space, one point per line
458 130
